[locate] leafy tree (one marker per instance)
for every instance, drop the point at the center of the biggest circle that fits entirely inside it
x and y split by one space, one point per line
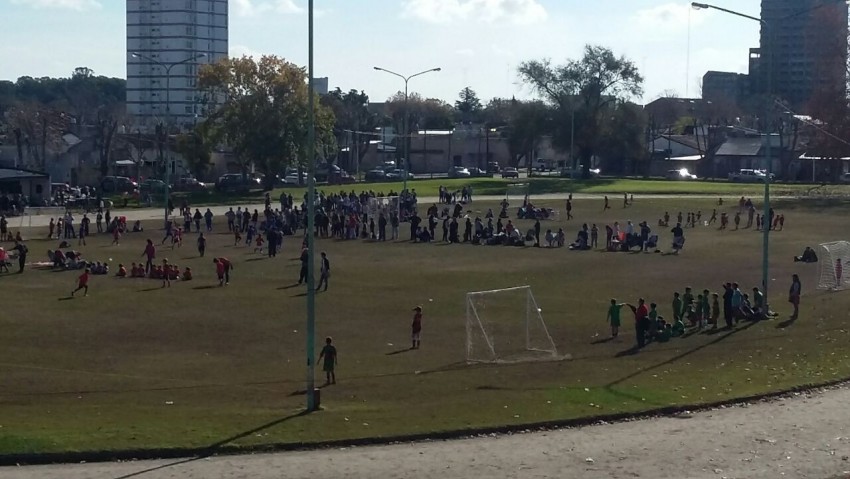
354 119
428 114
37 130
590 86
528 123
468 105
194 148
104 135
260 109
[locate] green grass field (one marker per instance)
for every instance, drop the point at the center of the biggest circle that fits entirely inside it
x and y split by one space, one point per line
540 185
136 366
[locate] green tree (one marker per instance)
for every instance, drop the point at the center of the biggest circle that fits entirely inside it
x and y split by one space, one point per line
468 106
194 148
590 87
260 109
355 121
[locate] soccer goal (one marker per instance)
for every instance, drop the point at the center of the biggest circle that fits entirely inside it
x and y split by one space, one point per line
516 193
48 211
834 266
506 326
388 205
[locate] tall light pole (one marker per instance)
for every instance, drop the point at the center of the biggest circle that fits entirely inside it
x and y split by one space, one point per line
311 219
167 67
769 87
768 106
406 115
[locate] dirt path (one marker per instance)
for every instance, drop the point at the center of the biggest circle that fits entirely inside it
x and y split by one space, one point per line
801 437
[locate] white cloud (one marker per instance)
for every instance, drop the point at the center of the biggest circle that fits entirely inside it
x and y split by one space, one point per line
670 16
488 11
66 4
248 8
465 52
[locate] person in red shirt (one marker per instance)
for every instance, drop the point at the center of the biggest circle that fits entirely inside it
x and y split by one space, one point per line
641 321
416 328
83 283
223 266
150 253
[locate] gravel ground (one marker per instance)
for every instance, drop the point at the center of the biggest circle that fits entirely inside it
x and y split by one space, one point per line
804 436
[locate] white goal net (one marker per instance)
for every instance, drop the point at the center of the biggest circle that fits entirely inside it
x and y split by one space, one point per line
506 325
834 266
44 211
388 205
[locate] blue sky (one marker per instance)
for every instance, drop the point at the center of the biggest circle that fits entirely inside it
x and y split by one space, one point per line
476 42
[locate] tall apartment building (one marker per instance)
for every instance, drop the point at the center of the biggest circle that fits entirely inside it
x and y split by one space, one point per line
803 47
725 87
162 34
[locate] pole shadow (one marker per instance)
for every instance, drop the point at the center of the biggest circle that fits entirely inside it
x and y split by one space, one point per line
400 351
212 449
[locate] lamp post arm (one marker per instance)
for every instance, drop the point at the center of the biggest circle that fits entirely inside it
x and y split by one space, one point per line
709 6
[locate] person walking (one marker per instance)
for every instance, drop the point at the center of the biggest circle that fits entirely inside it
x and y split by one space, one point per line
202 245
794 295
416 328
569 210
22 250
328 354
324 272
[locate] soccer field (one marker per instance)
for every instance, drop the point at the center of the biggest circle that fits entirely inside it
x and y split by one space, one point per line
137 366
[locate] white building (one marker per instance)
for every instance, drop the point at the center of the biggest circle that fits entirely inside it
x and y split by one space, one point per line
163 34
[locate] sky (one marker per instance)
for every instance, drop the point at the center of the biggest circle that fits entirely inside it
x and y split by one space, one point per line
477 43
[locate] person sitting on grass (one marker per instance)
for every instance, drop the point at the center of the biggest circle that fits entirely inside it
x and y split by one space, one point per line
187 274
122 271
665 332
808 256
550 239
678 328
137 227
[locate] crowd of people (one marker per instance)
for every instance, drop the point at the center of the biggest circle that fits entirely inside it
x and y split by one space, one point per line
698 311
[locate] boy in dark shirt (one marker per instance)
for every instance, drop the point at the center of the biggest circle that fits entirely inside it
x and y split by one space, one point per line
329 355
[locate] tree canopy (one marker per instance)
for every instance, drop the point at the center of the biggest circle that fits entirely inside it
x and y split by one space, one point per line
587 89
260 109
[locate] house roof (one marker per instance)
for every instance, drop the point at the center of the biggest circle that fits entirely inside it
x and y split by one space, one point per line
20 174
750 146
684 140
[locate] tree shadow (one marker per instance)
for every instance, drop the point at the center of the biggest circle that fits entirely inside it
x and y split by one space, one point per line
212 449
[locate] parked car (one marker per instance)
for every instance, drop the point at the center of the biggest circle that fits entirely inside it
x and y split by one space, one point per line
118 184
681 174
293 179
152 186
189 183
479 173
459 172
340 177
236 182
747 175
376 174
493 167
398 174
578 173
510 172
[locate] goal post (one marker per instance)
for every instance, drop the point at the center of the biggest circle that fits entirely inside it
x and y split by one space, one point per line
506 326
48 211
834 266
388 205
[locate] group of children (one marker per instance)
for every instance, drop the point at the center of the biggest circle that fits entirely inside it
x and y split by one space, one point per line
165 272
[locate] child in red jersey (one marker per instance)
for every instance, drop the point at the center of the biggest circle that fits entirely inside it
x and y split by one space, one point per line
83 283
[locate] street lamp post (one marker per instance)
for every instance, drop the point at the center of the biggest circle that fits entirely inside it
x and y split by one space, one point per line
769 84
311 220
406 115
768 106
167 67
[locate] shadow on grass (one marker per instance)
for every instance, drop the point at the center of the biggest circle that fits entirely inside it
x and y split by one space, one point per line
293 285
787 323
603 340
208 286
212 449
147 290
261 258
610 387
400 351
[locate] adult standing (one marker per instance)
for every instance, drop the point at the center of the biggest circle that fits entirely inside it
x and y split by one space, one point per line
208 219
22 250
394 226
382 227
324 272
569 209
537 233
794 295
641 320
302 276
727 304
197 217
678 237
